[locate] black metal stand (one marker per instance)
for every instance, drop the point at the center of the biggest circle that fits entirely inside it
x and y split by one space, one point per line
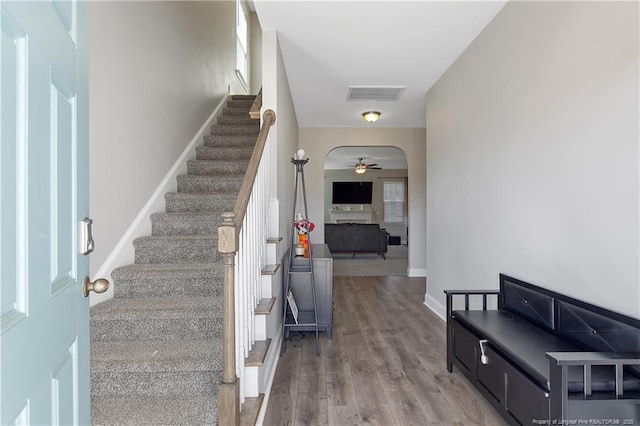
299 265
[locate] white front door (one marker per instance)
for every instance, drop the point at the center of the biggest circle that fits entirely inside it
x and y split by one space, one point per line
44 324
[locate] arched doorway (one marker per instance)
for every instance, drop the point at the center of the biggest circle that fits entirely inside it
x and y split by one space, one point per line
369 184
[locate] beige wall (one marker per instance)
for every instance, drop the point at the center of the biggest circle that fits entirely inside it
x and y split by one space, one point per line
157 70
375 176
532 156
277 96
317 142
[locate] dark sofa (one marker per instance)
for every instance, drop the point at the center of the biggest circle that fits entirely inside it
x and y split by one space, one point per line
356 238
544 358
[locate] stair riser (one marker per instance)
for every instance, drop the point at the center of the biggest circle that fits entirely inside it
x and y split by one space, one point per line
223 153
196 183
239 119
240 103
229 140
177 254
195 205
185 228
234 130
217 167
243 98
166 287
144 328
193 383
235 112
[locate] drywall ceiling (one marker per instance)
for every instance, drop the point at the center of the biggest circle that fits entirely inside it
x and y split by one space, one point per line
345 158
328 46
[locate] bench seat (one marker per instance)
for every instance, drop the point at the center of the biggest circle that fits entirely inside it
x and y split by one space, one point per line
526 344
542 357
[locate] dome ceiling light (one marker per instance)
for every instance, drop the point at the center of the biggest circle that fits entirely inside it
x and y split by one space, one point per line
371 116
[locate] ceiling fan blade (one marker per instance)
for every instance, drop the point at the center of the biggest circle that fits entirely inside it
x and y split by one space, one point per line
374 168
372 165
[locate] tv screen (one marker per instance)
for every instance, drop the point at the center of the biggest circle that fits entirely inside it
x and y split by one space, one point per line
352 192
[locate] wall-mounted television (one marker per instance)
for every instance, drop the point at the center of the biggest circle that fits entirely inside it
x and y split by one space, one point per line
352 193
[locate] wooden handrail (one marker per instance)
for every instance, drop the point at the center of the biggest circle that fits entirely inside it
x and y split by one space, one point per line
228 245
240 207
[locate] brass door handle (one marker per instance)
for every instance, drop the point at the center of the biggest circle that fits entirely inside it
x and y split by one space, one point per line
99 286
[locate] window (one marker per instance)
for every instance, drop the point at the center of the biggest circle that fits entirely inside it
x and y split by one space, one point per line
393 199
242 36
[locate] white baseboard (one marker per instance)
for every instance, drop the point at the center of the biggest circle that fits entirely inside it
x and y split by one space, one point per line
416 272
270 373
438 308
123 253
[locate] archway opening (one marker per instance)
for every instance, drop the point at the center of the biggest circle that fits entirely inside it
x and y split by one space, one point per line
369 184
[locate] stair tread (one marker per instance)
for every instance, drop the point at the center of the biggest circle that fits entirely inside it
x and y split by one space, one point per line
211 215
172 270
232 140
176 240
250 410
265 306
224 152
155 410
235 160
156 355
158 308
270 269
258 353
211 195
228 177
234 129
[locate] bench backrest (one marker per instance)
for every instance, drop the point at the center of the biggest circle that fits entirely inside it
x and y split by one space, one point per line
526 301
586 325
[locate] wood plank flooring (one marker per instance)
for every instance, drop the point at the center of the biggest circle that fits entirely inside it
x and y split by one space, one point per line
384 366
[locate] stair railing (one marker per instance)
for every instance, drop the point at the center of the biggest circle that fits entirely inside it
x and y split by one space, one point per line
244 232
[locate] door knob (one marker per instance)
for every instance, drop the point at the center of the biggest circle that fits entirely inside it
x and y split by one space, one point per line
99 286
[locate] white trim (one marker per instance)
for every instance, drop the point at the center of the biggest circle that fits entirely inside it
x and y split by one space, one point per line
416 272
270 370
242 80
437 307
123 253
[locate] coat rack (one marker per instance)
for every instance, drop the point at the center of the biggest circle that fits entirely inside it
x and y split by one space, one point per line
300 261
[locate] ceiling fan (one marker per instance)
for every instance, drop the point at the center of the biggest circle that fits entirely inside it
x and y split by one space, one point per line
361 167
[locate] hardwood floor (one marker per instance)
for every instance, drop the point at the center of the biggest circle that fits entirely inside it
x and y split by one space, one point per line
384 366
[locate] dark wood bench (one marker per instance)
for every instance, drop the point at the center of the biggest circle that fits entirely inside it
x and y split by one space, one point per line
541 357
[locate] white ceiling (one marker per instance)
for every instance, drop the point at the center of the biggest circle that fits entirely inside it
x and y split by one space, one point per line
347 157
328 46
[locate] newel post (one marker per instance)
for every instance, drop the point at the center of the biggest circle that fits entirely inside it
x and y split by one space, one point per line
229 390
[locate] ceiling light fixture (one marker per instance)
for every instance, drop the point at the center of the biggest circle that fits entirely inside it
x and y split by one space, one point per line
360 169
371 116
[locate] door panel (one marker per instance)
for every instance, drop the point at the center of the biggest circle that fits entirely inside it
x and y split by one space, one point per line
62 214
465 347
13 181
492 374
44 327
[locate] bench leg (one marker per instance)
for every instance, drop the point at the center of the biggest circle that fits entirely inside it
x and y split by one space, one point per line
449 333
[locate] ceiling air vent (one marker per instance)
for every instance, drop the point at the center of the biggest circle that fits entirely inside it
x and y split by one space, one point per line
375 93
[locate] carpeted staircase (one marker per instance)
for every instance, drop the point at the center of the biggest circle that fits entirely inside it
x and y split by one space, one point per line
156 347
